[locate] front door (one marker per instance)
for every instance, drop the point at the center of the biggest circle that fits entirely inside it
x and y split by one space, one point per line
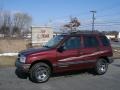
68 59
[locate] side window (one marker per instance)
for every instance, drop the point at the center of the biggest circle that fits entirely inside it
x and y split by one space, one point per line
90 41
72 43
104 41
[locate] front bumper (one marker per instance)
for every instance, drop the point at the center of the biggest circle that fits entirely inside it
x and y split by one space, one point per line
21 66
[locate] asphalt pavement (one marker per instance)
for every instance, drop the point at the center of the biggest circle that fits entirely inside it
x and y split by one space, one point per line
82 80
115 44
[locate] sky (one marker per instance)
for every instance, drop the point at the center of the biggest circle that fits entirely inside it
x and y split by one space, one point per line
58 12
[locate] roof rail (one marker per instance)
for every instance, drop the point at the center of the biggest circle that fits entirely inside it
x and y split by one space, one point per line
86 32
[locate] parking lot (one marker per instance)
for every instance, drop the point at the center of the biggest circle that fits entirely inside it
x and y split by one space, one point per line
115 44
82 80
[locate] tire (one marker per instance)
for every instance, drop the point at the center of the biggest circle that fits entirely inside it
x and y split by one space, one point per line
101 67
40 73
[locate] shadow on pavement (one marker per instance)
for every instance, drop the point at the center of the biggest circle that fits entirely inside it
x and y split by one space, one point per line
21 74
117 65
73 73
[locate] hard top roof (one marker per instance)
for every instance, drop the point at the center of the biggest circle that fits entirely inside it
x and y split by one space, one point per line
85 33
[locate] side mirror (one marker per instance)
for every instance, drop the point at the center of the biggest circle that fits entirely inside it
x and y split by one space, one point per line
61 49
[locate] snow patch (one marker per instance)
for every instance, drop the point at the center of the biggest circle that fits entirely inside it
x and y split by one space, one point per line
9 54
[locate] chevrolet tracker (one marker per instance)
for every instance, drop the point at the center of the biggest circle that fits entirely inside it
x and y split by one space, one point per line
66 53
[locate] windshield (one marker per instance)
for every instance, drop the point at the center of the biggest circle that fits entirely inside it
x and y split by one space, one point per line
54 41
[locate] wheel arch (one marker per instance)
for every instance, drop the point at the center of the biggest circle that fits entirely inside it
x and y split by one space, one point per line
43 61
106 58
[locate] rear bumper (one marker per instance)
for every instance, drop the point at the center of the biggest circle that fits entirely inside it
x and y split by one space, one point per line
111 60
23 67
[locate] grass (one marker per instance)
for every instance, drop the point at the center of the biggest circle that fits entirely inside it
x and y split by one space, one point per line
7 61
116 52
15 45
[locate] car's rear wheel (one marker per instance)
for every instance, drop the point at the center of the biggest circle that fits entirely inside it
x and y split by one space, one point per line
40 72
101 67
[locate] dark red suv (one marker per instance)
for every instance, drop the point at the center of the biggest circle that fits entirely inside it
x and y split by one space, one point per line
66 53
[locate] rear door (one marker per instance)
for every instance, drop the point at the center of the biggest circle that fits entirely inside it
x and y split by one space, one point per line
90 50
105 47
68 59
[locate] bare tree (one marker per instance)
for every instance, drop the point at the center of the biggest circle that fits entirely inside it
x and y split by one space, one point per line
21 23
0 18
14 24
73 24
6 22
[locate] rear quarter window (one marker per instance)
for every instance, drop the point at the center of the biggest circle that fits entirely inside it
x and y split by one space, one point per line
90 41
105 41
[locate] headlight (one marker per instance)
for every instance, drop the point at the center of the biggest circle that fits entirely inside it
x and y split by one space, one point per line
22 59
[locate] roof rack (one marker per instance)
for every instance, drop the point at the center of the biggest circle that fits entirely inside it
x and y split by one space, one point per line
86 32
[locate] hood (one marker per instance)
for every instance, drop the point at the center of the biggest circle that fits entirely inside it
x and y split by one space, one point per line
33 50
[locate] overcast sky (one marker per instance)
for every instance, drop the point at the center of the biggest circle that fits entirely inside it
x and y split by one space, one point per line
57 12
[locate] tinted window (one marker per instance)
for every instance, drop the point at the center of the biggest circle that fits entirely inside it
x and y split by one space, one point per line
104 41
90 41
54 41
72 43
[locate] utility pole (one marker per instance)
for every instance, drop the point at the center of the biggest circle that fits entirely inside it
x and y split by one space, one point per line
93 19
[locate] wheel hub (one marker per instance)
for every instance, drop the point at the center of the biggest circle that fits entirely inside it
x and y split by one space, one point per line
41 74
102 67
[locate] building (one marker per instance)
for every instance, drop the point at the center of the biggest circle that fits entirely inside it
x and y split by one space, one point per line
119 35
41 35
113 37
110 36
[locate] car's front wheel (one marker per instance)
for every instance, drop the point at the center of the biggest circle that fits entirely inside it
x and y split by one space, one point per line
40 72
101 67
